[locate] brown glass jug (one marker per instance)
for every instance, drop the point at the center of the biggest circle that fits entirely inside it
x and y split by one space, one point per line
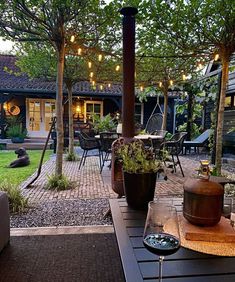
203 200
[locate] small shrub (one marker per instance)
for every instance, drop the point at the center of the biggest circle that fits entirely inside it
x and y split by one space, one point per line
71 157
58 183
17 202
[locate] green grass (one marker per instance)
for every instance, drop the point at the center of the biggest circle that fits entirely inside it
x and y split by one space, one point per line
18 175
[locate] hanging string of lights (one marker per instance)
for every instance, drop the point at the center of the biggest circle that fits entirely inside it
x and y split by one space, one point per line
82 51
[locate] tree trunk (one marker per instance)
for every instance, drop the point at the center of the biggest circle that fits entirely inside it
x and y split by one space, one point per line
190 115
59 109
164 122
220 120
71 131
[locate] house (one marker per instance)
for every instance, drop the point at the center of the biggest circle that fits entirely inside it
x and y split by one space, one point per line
34 100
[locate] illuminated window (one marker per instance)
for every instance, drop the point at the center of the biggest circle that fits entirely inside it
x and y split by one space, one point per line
227 101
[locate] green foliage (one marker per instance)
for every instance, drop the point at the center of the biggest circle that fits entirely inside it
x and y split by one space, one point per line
17 202
104 124
194 127
135 158
58 183
16 131
71 157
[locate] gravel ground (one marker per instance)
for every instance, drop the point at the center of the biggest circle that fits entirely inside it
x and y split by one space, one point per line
64 213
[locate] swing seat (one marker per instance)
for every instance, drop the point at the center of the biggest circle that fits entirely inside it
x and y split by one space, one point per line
154 123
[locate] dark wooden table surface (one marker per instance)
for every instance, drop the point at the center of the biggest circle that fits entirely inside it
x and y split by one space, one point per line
183 266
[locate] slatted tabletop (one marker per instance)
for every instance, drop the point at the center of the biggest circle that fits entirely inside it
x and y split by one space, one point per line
183 266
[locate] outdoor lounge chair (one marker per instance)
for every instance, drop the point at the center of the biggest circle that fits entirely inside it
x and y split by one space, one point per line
198 142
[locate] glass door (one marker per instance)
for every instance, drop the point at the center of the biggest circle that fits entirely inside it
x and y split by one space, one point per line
39 116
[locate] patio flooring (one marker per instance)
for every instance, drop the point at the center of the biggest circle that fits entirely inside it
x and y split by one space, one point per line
90 184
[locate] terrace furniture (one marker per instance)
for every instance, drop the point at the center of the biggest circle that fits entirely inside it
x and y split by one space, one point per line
88 144
140 265
154 123
198 142
174 147
4 220
157 142
106 141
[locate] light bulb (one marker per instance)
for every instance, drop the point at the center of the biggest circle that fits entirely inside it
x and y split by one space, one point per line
171 82
117 68
72 38
141 88
101 87
93 83
160 84
109 85
79 51
89 65
100 57
184 77
216 57
91 74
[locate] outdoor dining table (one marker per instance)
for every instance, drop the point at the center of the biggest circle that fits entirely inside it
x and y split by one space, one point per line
184 266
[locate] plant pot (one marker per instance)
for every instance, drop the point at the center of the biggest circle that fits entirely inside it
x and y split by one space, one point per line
139 189
17 140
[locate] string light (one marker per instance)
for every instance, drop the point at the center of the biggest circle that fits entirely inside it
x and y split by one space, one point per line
72 39
109 85
101 87
171 82
117 68
100 57
184 77
141 88
199 66
91 74
79 51
160 84
216 57
93 83
89 65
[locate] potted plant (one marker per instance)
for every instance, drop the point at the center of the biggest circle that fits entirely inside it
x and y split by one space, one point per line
140 168
103 124
16 133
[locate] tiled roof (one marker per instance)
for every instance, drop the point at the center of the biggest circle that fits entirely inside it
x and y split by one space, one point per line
15 81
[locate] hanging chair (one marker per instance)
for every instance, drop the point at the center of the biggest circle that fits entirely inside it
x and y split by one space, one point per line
154 123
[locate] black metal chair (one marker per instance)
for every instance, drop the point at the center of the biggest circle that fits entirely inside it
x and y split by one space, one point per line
157 142
88 144
174 147
106 141
154 123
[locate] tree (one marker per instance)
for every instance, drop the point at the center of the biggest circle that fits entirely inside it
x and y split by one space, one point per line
53 21
202 27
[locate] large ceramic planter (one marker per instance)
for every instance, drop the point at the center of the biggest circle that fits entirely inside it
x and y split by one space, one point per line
139 189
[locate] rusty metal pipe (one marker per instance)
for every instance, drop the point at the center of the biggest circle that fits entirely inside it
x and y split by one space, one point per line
128 101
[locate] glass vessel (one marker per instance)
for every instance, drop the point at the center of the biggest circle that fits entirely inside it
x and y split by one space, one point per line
161 233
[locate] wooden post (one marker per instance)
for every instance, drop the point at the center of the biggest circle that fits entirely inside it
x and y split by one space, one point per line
128 101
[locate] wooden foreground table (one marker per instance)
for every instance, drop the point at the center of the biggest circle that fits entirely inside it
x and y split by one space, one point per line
183 266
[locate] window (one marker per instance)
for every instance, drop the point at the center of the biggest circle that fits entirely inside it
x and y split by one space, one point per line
93 108
228 102
139 112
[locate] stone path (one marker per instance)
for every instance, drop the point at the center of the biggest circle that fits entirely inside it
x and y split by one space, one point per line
90 184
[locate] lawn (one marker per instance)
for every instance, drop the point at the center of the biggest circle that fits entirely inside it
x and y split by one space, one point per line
18 175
